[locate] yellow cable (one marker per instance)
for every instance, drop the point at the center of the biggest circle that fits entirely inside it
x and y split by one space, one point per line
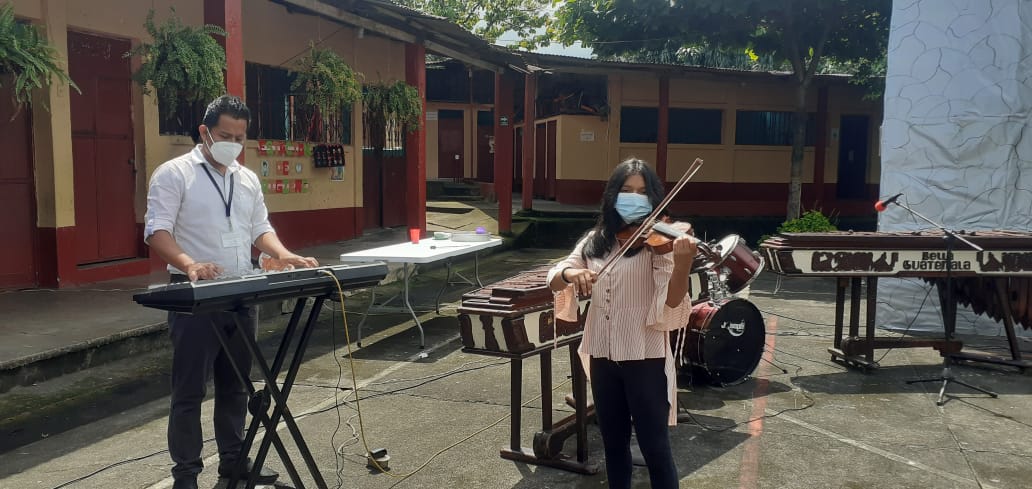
358 405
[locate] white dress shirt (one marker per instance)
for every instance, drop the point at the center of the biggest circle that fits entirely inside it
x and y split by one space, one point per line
182 200
628 318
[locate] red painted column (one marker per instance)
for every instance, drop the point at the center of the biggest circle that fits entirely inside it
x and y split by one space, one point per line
415 143
504 139
228 14
663 137
529 116
820 147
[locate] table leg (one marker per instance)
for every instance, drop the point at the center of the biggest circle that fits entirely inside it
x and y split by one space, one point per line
447 282
372 300
408 304
476 269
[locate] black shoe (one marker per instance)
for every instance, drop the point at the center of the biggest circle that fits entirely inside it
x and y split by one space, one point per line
266 476
185 483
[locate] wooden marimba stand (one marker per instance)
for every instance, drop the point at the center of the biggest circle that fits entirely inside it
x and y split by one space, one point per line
548 443
516 321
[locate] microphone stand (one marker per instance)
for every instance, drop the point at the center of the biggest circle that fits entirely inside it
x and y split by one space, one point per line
949 310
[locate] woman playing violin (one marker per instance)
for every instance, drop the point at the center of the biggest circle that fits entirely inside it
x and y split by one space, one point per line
634 305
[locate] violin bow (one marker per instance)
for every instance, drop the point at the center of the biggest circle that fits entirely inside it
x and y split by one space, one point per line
651 219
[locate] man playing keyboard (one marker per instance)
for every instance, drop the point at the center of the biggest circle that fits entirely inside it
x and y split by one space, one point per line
204 212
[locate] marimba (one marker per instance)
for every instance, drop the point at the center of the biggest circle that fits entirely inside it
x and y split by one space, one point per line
996 281
514 319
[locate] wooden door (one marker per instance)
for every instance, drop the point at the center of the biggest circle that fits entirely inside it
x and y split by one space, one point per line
450 144
102 149
17 196
517 165
485 146
852 166
393 191
372 191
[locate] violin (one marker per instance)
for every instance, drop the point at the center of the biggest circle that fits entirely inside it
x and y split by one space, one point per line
659 238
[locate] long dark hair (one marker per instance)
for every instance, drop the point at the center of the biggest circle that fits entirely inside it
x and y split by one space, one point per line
602 237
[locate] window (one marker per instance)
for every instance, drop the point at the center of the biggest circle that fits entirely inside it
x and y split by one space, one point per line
268 97
639 124
695 126
183 122
767 128
276 112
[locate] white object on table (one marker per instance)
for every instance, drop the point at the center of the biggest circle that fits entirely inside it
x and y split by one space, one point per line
409 255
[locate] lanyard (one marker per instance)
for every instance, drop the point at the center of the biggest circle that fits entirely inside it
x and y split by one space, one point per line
227 202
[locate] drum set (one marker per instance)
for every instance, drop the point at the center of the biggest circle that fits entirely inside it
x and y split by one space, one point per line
725 337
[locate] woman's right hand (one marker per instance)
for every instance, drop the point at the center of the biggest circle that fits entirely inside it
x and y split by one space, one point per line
581 278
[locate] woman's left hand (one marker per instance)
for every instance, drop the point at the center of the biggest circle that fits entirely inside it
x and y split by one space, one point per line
685 249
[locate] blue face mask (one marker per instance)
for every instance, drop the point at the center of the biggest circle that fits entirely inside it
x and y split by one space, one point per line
632 206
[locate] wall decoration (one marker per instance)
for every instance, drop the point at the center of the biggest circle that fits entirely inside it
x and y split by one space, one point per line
265 168
337 174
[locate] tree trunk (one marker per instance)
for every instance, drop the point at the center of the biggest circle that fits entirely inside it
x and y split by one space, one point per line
795 182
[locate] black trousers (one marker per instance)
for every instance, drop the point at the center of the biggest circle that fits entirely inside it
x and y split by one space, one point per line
633 390
197 357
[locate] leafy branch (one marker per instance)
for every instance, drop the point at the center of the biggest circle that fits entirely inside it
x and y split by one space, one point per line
183 65
26 54
326 85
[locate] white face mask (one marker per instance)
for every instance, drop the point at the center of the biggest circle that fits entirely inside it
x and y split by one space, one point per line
224 152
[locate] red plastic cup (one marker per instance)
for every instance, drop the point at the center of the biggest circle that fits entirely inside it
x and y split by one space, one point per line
413 234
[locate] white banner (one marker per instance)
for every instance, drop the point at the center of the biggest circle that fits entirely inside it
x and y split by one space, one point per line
956 139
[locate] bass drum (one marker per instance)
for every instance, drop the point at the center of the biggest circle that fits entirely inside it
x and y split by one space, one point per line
722 344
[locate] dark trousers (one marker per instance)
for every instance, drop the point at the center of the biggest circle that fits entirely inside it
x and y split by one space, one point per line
633 390
197 357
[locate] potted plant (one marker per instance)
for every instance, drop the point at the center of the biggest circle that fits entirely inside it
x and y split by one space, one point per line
26 58
183 65
325 86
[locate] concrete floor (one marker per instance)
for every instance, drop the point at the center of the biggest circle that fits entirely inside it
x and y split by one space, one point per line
801 421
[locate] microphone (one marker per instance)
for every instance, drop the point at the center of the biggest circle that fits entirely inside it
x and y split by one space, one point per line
881 205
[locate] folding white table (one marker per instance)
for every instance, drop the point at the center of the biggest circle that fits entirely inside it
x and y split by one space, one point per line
411 254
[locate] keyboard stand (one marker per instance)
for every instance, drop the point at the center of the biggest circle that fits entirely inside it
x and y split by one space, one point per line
278 393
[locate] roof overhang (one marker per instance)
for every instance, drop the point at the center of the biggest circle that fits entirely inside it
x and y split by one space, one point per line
437 34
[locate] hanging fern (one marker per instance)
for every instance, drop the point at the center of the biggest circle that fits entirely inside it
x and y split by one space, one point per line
326 85
183 65
385 103
26 54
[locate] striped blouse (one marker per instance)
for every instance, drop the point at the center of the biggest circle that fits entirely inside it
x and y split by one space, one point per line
628 318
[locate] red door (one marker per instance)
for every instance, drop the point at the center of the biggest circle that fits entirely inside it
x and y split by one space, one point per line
17 196
485 146
372 190
517 165
393 192
450 144
102 149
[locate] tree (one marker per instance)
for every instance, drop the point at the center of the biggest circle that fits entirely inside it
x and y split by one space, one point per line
802 33
490 19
